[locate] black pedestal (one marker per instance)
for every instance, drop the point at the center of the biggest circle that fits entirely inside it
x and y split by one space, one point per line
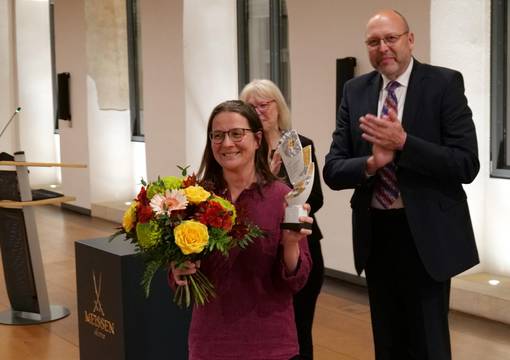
116 321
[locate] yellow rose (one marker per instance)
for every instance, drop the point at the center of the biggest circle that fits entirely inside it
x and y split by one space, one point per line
196 194
191 237
129 218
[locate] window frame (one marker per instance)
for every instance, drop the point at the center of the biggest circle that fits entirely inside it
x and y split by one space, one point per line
275 41
137 133
499 87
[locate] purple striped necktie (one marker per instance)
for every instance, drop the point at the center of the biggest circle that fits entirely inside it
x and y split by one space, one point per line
386 188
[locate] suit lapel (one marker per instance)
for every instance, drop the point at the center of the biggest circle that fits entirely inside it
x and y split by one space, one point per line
413 96
372 100
374 87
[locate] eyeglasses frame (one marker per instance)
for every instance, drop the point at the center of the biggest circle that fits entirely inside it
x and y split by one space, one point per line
386 40
263 105
227 132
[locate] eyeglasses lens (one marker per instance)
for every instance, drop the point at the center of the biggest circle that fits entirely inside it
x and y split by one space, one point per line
235 135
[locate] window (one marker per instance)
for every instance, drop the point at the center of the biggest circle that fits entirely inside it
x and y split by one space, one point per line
262 28
500 72
135 70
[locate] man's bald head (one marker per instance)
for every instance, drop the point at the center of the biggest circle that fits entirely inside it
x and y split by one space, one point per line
394 15
389 43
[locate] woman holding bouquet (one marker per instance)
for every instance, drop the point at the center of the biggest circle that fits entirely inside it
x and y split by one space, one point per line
274 114
252 315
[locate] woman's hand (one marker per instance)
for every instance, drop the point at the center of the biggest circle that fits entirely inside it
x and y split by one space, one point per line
290 242
276 163
306 219
187 268
293 237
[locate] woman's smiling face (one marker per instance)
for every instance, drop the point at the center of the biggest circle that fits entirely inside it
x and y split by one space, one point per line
234 156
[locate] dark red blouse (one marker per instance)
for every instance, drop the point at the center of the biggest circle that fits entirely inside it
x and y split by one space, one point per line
252 317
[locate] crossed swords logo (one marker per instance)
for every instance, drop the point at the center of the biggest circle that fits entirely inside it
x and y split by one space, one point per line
98 307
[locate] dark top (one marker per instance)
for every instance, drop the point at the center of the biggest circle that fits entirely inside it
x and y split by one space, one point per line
252 316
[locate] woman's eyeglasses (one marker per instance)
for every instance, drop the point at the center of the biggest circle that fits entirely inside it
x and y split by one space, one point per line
263 105
236 135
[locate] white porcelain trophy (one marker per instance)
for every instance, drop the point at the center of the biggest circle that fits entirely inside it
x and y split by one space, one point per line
300 169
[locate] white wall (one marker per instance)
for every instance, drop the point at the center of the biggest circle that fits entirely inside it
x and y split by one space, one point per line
319 33
110 157
71 56
163 86
465 45
189 59
111 166
176 101
99 138
35 87
210 67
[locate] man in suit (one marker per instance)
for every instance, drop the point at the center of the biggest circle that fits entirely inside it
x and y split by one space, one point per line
405 142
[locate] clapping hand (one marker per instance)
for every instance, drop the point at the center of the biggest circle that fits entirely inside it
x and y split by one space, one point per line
386 135
386 131
275 163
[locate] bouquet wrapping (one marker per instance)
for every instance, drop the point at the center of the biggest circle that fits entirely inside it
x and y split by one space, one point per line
174 220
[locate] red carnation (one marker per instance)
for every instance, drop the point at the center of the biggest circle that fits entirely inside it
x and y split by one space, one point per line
213 214
190 180
144 213
142 197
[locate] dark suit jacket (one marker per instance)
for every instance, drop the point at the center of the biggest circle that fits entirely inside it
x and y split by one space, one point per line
316 199
440 154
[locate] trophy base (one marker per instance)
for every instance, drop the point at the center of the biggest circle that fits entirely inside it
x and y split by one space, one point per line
296 226
291 219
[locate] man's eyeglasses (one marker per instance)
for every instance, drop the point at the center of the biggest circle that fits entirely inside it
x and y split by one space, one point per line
263 105
388 40
236 135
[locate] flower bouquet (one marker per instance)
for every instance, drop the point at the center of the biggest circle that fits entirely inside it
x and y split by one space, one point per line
174 219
